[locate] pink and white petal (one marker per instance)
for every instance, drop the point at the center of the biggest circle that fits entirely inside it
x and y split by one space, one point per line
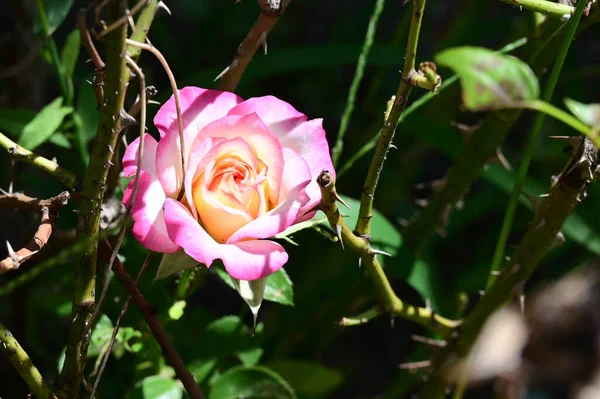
196 157
248 260
310 142
296 176
148 156
254 259
198 108
264 143
149 226
277 114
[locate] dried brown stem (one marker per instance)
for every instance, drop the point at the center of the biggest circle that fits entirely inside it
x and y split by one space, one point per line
99 65
149 313
48 208
257 36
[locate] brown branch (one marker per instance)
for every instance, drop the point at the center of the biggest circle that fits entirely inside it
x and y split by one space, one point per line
149 313
271 10
48 208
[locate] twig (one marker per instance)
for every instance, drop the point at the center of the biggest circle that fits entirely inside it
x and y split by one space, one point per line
536 129
360 319
99 65
363 223
550 8
167 69
256 37
368 257
118 323
124 19
149 313
549 217
23 364
336 152
51 167
49 209
92 194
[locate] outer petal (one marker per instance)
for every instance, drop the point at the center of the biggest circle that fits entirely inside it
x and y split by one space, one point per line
147 213
278 115
148 156
247 260
198 108
264 143
296 176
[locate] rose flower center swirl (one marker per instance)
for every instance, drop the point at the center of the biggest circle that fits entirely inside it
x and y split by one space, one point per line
229 193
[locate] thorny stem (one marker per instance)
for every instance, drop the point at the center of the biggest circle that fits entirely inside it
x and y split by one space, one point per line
92 194
149 312
541 236
358 75
368 257
545 7
532 141
51 167
256 37
23 364
389 127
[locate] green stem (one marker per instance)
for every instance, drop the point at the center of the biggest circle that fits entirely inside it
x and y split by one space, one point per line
51 167
23 364
65 88
550 8
368 257
563 116
363 224
92 195
532 141
358 75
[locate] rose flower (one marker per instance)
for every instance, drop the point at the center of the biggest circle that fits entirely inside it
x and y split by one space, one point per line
250 170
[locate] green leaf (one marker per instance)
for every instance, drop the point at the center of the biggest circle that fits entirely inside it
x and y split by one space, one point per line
60 140
244 382
100 335
232 335
56 12
308 378
173 263
159 387
490 80
12 121
279 288
384 235
176 310
587 113
44 124
318 220
70 53
103 332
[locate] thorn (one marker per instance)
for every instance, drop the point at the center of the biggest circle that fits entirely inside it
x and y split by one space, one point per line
339 199
233 65
338 233
11 251
392 321
435 185
495 272
4 192
392 147
403 222
465 130
415 365
481 292
421 202
544 195
428 341
359 262
154 102
502 159
263 41
164 7
559 239
378 252
428 304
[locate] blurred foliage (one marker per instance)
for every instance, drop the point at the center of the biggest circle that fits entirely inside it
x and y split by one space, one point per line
296 351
